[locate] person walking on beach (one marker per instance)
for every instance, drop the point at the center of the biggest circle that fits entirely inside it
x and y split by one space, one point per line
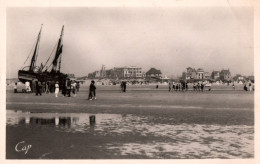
57 89
92 89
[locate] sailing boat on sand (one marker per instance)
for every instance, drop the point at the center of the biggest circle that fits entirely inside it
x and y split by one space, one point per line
38 73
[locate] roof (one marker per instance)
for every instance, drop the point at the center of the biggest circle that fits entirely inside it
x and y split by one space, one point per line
225 71
153 71
200 69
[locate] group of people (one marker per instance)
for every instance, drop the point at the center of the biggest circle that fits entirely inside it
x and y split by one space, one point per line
249 88
69 87
48 87
199 86
182 86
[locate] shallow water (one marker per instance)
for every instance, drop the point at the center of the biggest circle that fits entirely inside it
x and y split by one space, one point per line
163 140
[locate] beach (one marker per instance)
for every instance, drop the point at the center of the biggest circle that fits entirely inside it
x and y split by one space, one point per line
142 123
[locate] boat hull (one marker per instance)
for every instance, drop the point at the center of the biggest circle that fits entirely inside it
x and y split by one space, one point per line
24 76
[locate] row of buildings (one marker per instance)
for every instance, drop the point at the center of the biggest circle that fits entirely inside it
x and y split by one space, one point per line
200 74
133 72
125 72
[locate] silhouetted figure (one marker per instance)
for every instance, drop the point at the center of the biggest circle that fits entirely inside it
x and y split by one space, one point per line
15 88
124 86
245 87
68 88
92 90
38 88
64 88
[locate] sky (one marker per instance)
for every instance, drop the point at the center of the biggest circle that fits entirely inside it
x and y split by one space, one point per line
170 39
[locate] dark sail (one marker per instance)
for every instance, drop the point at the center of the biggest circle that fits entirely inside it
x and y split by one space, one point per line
35 54
58 53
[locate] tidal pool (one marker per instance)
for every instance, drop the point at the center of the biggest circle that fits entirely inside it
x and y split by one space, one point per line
138 136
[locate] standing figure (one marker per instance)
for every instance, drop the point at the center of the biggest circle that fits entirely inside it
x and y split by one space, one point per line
33 85
186 86
170 87
57 89
27 86
68 88
202 87
245 87
73 87
250 87
77 86
47 85
52 86
64 88
15 88
38 88
43 86
198 86
182 86
124 86
233 86
173 86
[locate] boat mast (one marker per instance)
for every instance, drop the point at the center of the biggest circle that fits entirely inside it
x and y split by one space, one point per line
33 61
58 52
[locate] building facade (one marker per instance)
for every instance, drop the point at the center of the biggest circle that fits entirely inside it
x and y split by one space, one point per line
154 73
225 75
118 73
192 73
215 75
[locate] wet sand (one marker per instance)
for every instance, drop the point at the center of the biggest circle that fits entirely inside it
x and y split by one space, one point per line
135 124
